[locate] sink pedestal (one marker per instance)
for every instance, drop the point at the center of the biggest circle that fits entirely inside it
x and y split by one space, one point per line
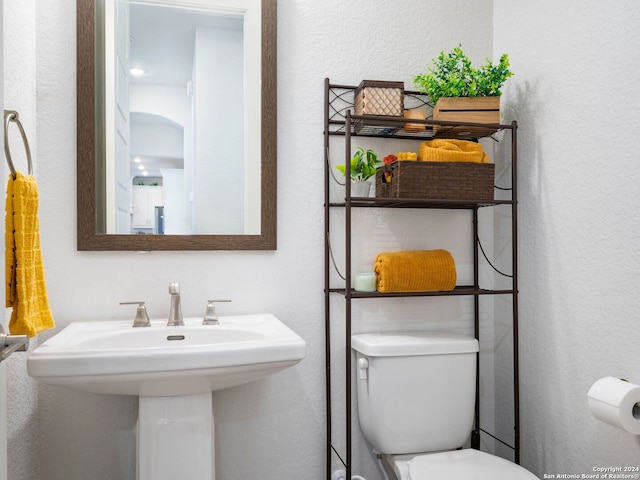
175 438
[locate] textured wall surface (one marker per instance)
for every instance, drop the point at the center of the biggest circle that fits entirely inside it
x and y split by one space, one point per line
19 49
575 98
575 95
271 429
3 367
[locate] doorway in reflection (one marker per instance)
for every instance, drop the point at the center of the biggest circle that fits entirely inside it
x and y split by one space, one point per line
157 157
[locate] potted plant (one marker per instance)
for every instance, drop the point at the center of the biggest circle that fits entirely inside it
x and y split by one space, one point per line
461 92
364 165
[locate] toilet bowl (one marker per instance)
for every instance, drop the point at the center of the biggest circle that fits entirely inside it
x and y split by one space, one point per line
416 393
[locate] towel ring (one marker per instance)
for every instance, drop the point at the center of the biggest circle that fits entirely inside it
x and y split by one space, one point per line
12 116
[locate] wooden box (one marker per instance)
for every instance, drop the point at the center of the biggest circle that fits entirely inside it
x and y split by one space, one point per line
466 109
437 181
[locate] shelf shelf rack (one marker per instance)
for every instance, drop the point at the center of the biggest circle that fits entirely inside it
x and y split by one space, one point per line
339 121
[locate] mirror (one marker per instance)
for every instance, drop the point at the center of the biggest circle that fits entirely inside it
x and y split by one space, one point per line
210 180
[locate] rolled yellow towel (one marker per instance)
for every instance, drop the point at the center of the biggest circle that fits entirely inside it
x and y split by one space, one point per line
451 150
415 271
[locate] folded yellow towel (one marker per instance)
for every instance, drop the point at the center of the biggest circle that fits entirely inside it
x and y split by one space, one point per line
415 271
26 291
451 150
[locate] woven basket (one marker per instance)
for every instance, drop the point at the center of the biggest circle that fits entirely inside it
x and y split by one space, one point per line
378 98
437 181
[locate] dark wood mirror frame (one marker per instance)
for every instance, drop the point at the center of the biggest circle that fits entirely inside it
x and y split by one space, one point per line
88 239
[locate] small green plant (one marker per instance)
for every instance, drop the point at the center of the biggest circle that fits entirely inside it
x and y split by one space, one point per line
364 165
452 75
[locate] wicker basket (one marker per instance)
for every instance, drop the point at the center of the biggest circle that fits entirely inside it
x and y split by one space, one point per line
378 98
437 181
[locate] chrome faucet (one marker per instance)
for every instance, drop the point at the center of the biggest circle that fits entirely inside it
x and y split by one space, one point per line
142 319
210 317
175 312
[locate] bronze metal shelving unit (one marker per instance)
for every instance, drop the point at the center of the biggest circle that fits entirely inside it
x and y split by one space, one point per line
339 120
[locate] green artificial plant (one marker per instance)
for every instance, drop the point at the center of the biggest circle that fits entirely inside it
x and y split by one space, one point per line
364 165
452 75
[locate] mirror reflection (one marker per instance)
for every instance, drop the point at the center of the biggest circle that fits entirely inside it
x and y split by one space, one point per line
180 104
224 192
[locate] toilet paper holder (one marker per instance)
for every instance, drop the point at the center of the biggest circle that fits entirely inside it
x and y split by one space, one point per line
616 401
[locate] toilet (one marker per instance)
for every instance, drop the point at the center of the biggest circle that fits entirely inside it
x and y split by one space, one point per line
416 402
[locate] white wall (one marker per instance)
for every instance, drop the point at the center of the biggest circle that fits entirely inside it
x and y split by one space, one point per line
19 47
173 201
157 139
170 102
274 428
3 367
218 108
575 96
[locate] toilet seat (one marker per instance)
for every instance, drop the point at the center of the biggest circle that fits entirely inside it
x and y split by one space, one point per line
467 464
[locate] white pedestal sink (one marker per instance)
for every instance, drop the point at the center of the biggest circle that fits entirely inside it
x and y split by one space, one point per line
173 370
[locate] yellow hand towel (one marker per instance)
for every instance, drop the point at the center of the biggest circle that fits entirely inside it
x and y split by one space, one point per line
26 291
415 271
451 150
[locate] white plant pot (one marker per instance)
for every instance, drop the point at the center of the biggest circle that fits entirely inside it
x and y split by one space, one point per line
360 188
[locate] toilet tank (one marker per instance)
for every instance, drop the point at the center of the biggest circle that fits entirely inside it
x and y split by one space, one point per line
416 391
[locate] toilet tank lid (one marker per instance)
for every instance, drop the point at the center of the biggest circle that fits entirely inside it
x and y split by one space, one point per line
395 344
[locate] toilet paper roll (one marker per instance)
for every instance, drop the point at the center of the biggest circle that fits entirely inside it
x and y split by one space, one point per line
617 403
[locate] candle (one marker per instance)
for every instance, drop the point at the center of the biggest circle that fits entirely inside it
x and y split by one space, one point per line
365 282
414 127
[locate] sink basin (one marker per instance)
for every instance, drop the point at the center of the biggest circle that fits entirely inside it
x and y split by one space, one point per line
113 357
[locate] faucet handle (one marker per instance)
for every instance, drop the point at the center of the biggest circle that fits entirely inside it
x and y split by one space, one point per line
210 317
142 319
